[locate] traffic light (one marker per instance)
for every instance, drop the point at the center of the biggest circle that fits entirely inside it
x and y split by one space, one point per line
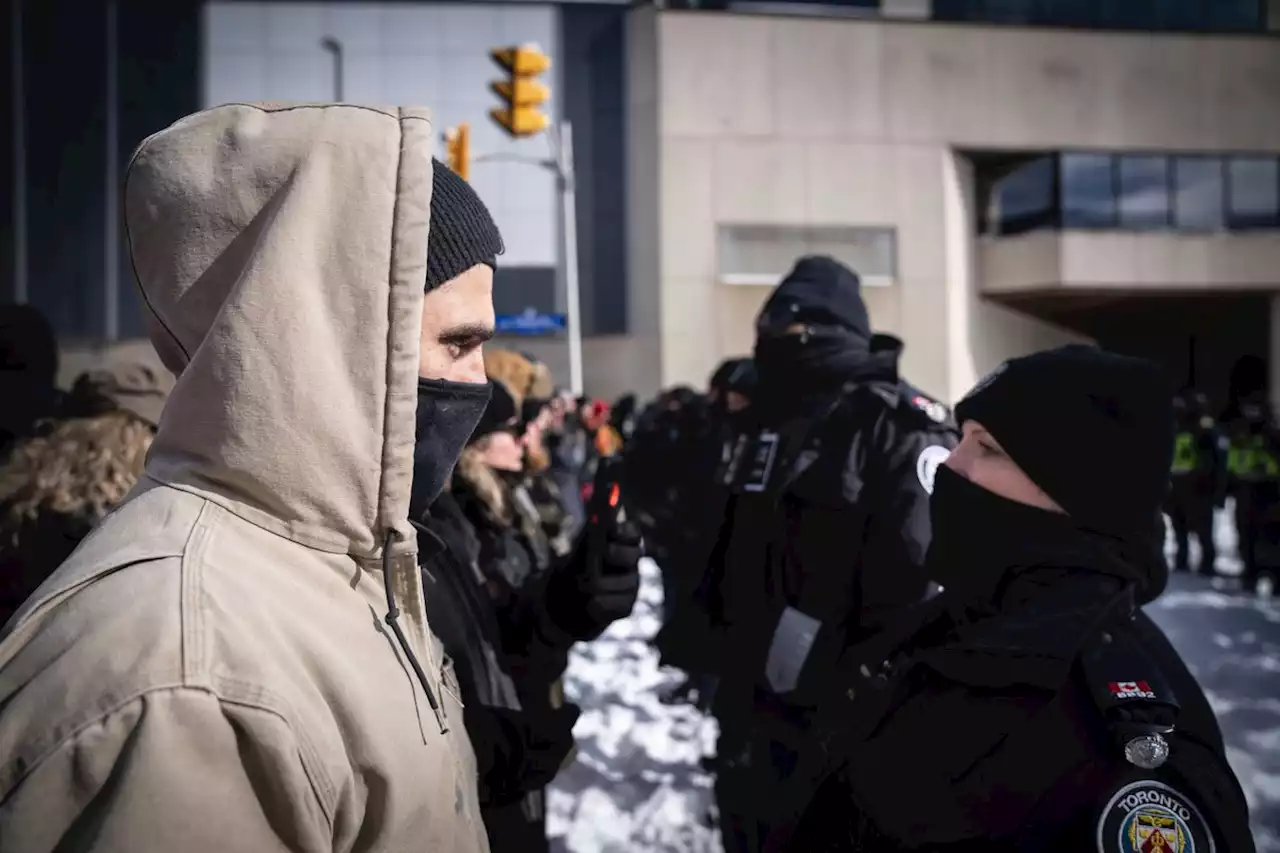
521 93
457 144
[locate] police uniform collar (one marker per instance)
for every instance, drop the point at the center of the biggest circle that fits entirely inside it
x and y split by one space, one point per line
1037 640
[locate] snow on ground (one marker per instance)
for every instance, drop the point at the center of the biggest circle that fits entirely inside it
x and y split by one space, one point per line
637 785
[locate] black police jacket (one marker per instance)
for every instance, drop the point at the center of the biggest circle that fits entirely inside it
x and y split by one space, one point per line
827 514
1009 734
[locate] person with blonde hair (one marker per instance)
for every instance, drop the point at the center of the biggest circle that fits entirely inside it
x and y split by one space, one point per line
56 485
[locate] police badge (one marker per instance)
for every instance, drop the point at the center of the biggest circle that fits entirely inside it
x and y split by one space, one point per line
1151 817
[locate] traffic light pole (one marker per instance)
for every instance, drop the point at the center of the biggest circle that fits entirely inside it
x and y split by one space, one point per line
567 180
561 165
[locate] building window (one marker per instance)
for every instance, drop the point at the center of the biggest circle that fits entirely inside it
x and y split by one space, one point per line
1235 15
1088 191
1022 200
1144 191
763 254
1129 191
1185 15
1198 193
1253 193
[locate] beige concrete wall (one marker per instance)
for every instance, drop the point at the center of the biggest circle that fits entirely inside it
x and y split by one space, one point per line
1134 262
765 120
980 334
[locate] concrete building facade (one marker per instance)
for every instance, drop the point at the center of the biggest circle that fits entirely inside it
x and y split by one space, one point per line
884 141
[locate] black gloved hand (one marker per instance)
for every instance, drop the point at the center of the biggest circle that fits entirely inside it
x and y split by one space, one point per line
589 592
518 751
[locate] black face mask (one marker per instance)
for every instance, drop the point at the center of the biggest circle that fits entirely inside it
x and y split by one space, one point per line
792 364
979 537
448 413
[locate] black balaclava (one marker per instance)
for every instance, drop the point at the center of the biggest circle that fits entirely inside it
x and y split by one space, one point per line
462 235
824 296
1095 432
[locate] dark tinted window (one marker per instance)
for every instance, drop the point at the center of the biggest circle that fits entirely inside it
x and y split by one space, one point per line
1198 193
1235 15
1113 14
1011 11
1088 191
1175 15
1144 191
1130 14
1023 199
1253 192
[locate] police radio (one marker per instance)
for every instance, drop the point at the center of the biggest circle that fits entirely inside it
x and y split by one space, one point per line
604 508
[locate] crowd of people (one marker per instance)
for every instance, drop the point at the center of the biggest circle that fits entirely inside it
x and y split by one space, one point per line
310 580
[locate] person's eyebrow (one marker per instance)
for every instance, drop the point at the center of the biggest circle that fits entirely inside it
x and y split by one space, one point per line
470 333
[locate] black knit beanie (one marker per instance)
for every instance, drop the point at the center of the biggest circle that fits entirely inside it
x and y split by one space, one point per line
498 414
820 291
1093 429
462 234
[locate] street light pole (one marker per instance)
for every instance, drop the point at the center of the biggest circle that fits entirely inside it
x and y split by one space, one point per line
334 47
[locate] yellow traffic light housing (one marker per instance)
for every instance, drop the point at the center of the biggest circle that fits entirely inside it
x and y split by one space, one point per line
521 93
457 144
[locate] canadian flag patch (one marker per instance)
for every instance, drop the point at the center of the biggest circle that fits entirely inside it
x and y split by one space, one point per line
1131 690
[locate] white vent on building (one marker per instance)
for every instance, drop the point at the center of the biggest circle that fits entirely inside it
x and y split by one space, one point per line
763 254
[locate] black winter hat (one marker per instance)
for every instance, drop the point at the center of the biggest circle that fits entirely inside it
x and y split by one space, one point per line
1093 429
498 415
821 291
463 233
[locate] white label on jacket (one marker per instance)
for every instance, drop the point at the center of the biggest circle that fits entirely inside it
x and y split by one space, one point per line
927 465
792 641
763 455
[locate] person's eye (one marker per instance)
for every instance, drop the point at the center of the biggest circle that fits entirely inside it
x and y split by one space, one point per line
461 348
990 449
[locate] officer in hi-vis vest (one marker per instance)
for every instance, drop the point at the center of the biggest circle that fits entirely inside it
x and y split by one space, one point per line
1253 468
1198 482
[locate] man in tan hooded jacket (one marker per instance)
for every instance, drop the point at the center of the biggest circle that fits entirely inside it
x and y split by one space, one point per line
238 658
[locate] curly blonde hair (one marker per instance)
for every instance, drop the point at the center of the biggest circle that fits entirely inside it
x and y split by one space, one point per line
56 486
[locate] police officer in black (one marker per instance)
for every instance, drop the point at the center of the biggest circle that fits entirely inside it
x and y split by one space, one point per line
1031 706
1199 479
825 530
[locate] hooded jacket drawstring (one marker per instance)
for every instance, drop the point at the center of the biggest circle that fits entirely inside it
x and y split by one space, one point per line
393 615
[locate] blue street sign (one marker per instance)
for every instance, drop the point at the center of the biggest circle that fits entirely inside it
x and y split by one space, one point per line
530 322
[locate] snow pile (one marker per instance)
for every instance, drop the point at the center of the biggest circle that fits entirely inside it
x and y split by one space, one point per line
637 784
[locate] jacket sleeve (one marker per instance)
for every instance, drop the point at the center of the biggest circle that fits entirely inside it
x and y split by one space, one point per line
173 769
899 477
530 637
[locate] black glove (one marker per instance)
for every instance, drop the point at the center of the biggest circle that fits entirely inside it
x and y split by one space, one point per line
589 592
518 751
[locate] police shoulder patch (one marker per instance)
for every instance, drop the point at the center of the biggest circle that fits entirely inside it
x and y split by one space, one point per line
932 409
1148 816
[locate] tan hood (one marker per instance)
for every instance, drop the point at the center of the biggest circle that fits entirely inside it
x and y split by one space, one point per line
281 252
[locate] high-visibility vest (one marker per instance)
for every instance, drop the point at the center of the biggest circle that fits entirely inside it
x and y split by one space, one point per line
1250 458
1184 453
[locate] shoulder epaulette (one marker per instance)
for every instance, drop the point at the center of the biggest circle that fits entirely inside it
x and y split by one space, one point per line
934 410
1132 695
